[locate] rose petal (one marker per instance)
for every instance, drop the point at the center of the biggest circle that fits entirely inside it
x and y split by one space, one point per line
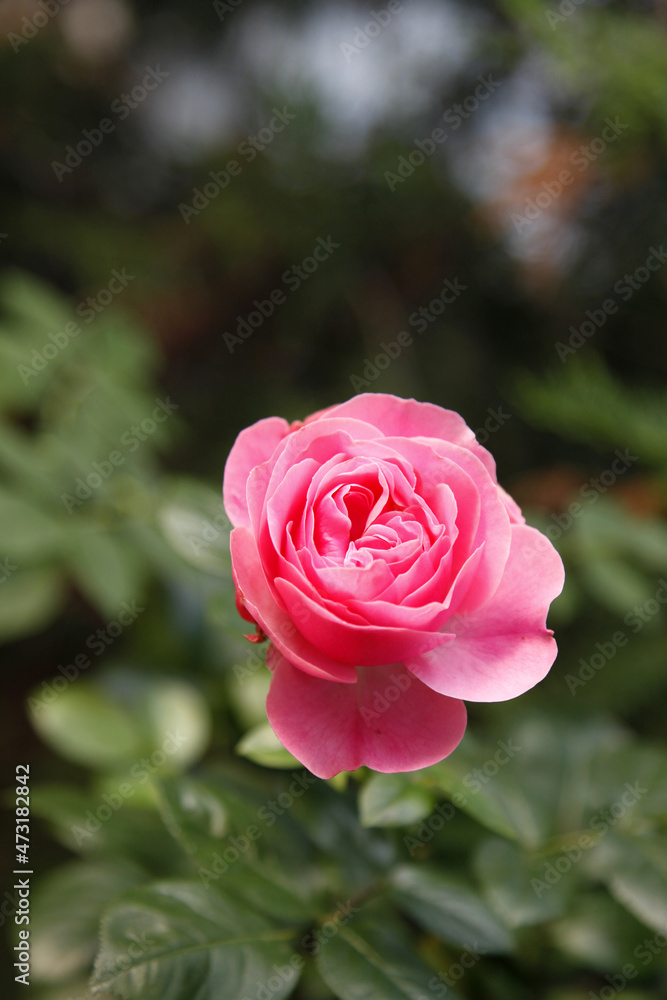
481 517
388 721
409 418
280 627
348 642
253 446
504 648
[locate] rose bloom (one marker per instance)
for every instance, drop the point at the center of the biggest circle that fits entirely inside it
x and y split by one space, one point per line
392 575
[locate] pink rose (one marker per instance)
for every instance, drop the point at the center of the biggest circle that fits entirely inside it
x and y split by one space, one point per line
393 576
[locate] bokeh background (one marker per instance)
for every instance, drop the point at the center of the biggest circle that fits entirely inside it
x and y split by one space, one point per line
484 184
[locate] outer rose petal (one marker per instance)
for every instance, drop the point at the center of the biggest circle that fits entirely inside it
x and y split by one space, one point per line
253 446
504 648
370 645
511 506
253 589
321 723
408 418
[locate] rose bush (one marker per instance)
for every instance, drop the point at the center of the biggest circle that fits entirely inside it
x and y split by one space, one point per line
392 575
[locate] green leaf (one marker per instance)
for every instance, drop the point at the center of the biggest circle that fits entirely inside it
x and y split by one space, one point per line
365 963
27 534
585 401
499 803
505 875
536 784
248 694
264 886
193 521
83 725
615 584
635 871
262 746
30 599
447 907
644 769
177 941
33 300
195 814
172 714
65 912
393 800
597 933
82 822
106 569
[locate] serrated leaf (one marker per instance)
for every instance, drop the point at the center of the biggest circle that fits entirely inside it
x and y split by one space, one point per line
177 941
393 800
447 907
66 907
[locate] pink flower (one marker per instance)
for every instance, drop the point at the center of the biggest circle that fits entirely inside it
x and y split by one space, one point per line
392 575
